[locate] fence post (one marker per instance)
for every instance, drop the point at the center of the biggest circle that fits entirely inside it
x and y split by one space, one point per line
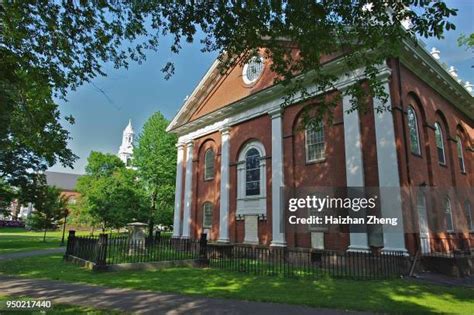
70 243
101 259
203 261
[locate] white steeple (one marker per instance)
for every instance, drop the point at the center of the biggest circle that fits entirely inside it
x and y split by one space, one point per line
126 148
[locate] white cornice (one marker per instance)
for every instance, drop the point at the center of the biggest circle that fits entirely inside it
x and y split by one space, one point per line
418 60
258 104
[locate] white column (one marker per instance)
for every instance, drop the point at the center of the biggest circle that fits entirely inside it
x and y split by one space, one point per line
354 164
179 190
188 192
389 180
224 199
278 231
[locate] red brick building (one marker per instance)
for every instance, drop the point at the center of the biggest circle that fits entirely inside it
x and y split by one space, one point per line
237 148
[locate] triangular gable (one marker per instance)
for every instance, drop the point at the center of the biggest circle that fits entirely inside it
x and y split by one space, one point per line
216 90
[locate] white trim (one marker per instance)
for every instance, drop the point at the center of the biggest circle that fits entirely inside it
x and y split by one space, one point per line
224 187
257 105
278 229
178 192
251 205
389 180
188 191
354 164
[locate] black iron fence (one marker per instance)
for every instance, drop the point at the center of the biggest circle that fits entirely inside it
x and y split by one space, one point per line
307 262
109 250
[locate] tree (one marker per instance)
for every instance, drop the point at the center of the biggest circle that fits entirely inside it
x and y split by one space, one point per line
467 41
49 207
48 48
154 158
109 192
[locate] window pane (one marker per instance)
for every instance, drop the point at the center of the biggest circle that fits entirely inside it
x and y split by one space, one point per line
439 143
315 144
207 215
209 164
413 126
469 218
460 154
252 172
449 217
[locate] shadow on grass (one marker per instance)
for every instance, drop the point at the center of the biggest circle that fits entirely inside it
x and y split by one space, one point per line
390 296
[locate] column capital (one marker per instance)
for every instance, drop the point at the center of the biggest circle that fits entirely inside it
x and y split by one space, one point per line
225 130
276 112
189 143
180 145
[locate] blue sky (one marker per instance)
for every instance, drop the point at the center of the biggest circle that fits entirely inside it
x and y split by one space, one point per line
141 90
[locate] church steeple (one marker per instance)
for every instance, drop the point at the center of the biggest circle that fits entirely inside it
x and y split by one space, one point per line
126 148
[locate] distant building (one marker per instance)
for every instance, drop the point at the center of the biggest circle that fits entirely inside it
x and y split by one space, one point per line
126 148
65 182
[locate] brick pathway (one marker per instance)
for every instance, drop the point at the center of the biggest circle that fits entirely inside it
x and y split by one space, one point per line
144 302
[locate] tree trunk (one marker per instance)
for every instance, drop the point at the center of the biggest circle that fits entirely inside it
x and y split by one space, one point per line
151 221
44 235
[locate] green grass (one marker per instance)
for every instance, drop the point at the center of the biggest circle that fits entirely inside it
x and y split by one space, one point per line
55 309
13 240
390 296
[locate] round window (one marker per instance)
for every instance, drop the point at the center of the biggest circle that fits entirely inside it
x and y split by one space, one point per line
252 70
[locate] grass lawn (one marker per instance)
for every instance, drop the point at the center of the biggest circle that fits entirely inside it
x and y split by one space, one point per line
13 240
55 309
391 296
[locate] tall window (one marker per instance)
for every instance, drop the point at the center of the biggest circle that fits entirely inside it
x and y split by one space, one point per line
469 217
414 136
460 154
449 215
315 145
209 164
440 143
252 172
207 215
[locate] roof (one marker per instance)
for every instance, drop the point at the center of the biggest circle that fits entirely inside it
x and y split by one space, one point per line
413 55
63 181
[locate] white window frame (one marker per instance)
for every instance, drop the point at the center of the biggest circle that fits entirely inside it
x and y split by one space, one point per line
448 210
257 204
204 216
210 176
306 137
439 134
460 154
246 66
413 128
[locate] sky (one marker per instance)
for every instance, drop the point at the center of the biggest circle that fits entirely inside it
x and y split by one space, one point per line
102 109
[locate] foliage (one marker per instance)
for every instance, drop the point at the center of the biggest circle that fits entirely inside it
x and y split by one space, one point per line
467 41
49 206
155 157
402 296
110 194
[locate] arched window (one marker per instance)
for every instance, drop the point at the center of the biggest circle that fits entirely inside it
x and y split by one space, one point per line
469 217
460 154
207 215
252 172
314 141
449 215
251 180
413 127
440 143
209 164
